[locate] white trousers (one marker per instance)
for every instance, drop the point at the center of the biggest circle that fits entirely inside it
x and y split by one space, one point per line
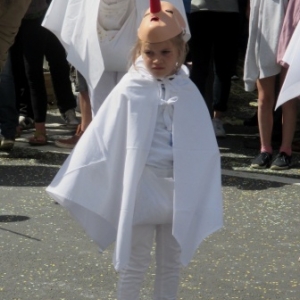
167 263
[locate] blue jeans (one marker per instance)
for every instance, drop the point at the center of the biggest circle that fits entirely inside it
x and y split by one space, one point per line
8 112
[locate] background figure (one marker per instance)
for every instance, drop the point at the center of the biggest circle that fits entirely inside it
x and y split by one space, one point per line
32 44
22 92
93 32
8 111
214 41
116 26
11 14
60 74
85 110
261 69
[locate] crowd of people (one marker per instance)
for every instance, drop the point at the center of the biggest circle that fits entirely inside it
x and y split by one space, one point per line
213 55
129 176
23 93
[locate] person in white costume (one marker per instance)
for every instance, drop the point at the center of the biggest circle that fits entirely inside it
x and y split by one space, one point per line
98 36
148 164
260 71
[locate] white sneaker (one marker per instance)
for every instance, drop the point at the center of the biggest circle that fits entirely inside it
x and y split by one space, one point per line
218 128
70 118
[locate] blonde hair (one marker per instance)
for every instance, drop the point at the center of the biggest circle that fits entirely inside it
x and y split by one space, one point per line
177 41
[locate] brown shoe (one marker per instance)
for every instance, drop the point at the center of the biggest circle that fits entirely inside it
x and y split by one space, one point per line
71 142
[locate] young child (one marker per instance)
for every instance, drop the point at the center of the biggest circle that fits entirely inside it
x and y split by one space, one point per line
148 164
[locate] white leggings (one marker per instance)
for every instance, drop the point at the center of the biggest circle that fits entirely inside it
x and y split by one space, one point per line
167 263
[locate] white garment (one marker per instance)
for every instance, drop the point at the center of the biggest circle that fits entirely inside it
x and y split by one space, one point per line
168 265
75 23
107 82
116 33
261 54
99 180
291 85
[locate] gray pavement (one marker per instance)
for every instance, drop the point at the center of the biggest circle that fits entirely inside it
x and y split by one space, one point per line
45 254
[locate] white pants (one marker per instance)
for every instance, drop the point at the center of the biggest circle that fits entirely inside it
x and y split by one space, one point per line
167 263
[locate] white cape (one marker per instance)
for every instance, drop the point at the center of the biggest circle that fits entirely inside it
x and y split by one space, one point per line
291 86
99 180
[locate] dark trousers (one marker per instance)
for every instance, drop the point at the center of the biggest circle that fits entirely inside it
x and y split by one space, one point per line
213 47
27 56
27 60
23 100
60 72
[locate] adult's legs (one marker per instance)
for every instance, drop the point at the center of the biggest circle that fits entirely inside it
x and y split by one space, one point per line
224 57
86 114
60 72
201 49
23 100
266 101
33 51
283 159
86 110
289 120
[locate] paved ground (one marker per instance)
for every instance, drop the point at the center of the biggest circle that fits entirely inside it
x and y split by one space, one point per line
46 255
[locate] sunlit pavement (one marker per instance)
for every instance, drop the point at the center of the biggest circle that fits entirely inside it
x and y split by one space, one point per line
45 254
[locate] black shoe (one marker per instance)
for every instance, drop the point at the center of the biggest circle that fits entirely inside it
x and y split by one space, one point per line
282 162
262 161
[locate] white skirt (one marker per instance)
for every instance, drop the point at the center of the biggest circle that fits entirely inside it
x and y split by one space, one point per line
154 200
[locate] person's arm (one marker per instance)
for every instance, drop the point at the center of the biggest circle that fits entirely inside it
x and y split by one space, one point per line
11 14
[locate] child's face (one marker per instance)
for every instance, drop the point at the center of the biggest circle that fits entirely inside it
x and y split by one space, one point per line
160 58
